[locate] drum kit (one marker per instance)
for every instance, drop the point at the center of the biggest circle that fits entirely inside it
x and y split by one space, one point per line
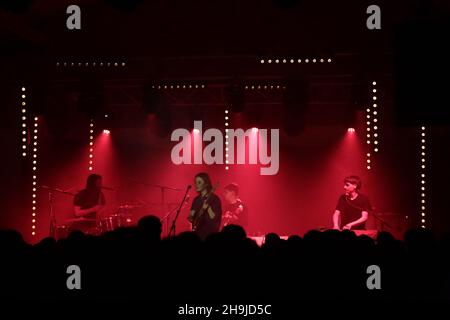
123 215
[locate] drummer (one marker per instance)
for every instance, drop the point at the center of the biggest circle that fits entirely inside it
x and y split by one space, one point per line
88 203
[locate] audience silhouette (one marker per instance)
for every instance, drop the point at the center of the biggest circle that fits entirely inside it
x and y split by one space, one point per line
137 262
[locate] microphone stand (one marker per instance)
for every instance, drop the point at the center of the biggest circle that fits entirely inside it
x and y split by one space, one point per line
383 222
51 215
165 220
161 187
172 228
50 207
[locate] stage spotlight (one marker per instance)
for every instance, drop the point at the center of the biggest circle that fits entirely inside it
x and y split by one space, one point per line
255 130
106 131
351 130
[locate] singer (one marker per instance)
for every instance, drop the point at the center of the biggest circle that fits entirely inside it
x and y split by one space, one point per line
352 209
88 203
206 209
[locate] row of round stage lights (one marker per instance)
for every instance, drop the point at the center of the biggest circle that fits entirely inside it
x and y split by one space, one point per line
314 60
90 64
226 138
23 123
34 155
23 127
202 86
179 86
422 176
34 168
91 145
372 119
264 87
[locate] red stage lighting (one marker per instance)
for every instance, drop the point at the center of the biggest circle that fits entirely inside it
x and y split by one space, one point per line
106 131
351 130
254 130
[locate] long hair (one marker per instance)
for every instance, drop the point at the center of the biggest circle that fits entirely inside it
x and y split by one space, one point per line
91 181
205 177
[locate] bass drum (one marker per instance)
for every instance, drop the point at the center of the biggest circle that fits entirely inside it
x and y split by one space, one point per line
109 223
62 232
115 221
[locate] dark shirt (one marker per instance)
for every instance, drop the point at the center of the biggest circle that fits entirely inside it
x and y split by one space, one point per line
86 199
206 225
351 209
241 218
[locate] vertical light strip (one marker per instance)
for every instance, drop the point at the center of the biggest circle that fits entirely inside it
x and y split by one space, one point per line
422 175
23 123
372 125
91 145
35 173
24 137
368 138
226 138
375 117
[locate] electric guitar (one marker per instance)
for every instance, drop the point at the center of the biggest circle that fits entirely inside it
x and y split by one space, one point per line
199 214
230 217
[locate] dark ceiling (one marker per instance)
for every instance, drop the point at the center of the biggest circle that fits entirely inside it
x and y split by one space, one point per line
210 42
177 28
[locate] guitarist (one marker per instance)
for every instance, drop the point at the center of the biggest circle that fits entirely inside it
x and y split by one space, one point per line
206 209
235 209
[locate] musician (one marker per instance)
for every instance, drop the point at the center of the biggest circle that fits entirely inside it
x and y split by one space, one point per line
235 210
209 221
353 207
89 202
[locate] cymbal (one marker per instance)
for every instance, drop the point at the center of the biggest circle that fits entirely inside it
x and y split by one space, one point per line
129 206
81 220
